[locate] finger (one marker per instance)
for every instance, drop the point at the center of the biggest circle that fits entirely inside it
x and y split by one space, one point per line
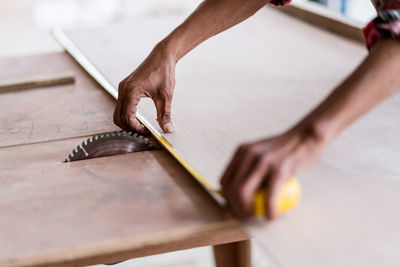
163 106
248 161
231 168
118 109
226 180
235 194
248 187
128 115
117 114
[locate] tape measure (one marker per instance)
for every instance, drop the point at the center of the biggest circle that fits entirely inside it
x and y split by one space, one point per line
288 198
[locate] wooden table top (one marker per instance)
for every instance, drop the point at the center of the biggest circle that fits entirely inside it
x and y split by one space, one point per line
93 211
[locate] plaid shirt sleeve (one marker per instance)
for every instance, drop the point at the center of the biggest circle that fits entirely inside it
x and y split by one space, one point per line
386 24
279 2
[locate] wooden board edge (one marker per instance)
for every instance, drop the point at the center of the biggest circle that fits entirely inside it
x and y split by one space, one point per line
134 247
321 17
36 82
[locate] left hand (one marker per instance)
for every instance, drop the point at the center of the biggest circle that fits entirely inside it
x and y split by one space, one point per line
267 163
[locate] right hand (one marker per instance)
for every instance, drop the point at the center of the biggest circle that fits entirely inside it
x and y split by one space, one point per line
154 78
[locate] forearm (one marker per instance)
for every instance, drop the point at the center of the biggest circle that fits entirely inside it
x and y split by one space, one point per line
210 18
373 81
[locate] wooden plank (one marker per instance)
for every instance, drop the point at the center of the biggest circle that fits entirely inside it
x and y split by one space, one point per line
67 208
105 210
349 215
322 17
30 82
42 154
55 112
35 66
211 110
31 155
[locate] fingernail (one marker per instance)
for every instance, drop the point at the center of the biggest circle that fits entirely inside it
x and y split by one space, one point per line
169 128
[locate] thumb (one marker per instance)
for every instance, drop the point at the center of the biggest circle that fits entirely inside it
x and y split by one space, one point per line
163 107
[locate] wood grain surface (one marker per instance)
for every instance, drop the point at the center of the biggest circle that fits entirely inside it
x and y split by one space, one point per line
320 16
25 82
55 112
92 211
249 82
104 210
257 80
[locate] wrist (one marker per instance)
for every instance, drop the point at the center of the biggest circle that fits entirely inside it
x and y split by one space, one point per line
314 131
168 49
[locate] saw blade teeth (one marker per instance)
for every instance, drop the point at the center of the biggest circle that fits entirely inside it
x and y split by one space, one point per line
79 149
85 144
83 150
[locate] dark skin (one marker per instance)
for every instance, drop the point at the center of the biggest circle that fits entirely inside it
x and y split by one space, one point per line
271 161
154 78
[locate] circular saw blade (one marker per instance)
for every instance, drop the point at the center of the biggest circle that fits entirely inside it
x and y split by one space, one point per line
108 144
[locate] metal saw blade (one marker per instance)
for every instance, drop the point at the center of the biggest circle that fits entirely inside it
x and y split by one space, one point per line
108 144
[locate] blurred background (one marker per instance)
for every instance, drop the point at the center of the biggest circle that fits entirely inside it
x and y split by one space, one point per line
24 24
359 10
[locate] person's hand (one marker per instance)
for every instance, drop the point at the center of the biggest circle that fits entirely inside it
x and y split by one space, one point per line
267 163
154 78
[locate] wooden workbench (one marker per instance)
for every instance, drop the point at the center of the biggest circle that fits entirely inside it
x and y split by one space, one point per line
349 212
94 211
256 80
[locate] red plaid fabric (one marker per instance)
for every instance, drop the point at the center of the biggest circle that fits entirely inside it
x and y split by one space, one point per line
279 2
386 24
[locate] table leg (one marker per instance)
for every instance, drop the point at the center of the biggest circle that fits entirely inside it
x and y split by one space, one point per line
236 254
